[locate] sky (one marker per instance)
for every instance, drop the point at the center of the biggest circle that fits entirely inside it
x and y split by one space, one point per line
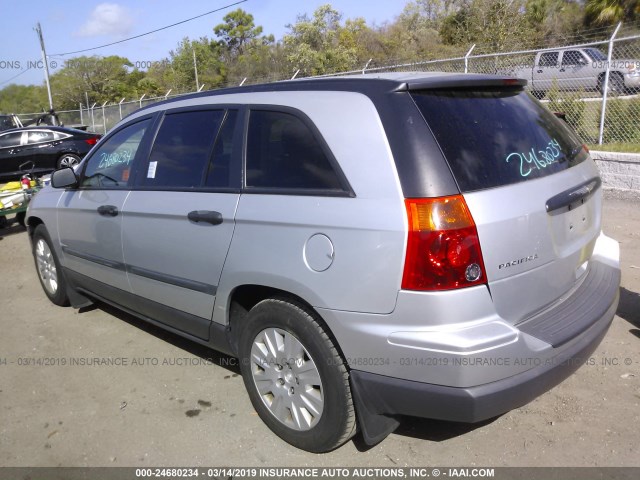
71 25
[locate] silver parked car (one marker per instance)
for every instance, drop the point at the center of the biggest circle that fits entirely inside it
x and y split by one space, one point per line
399 244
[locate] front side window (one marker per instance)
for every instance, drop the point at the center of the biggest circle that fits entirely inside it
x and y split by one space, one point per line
10 139
549 59
283 152
182 149
110 166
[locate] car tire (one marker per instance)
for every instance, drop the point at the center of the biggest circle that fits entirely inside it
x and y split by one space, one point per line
616 84
296 378
20 218
48 267
68 160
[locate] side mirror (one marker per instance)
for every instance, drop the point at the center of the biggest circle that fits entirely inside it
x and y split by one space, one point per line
64 178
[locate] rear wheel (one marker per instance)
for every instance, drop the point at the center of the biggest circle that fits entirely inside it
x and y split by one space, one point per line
68 160
296 379
48 267
616 84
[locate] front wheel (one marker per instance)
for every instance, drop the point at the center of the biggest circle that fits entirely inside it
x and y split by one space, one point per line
296 379
48 267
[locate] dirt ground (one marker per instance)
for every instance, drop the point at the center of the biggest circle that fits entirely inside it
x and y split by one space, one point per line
170 406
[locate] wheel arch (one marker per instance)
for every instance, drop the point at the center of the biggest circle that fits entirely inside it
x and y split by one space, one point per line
244 297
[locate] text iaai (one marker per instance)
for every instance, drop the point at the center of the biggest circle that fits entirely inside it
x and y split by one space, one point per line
536 160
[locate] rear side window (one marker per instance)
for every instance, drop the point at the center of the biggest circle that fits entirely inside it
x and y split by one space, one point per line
182 148
573 57
492 137
40 136
283 152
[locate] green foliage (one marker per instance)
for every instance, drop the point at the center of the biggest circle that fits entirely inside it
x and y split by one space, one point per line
238 32
23 99
621 122
610 12
497 25
571 105
104 79
313 45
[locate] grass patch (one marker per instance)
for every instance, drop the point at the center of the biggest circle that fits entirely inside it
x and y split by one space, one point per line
616 147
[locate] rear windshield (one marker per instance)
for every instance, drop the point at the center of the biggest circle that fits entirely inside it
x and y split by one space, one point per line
492 138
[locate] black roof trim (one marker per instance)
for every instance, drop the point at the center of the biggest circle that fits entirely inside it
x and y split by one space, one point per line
366 84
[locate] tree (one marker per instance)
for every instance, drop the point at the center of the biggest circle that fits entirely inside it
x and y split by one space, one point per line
313 44
608 12
102 78
246 52
553 22
23 99
238 32
496 25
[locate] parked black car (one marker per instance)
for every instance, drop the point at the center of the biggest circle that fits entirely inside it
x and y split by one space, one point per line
47 147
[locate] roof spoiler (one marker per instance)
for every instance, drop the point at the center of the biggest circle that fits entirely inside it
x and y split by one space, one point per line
461 81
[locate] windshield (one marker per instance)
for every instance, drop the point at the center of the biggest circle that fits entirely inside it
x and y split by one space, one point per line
494 137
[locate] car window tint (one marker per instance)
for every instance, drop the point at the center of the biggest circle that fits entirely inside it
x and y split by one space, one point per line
494 137
111 164
549 59
10 139
182 149
572 57
282 152
219 168
39 136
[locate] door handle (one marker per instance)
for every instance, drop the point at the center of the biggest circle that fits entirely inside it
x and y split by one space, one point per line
206 216
108 210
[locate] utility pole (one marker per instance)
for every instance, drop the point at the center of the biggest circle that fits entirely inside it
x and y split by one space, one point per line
195 66
38 30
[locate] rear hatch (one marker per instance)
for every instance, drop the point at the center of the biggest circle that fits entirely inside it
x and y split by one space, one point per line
530 186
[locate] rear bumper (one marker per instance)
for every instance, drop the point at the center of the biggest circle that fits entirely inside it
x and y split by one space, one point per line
392 396
379 398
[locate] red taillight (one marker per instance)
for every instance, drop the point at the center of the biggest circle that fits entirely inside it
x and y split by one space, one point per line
584 146
92 141
443 250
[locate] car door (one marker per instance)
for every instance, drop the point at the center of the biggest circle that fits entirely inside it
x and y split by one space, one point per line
38 146
575 71
90 216
11 155
546 71
179 218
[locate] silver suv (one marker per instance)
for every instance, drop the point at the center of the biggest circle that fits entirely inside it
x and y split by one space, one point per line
400 244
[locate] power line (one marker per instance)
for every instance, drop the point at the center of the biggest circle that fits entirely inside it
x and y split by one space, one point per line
152 31
15 76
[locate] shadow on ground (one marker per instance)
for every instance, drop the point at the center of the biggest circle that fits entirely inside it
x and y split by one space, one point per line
629 308
212 356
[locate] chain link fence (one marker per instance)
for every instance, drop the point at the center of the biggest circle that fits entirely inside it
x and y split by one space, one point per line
595 86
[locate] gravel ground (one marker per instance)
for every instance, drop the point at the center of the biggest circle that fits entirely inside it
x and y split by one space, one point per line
186 411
